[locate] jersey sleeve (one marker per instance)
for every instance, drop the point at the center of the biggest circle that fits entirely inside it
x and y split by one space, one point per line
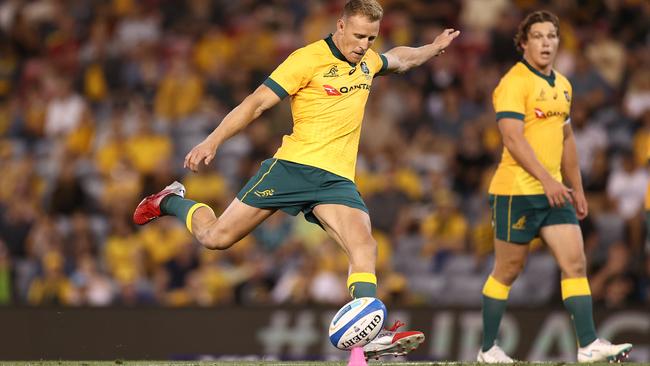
291 75
509 98
377 62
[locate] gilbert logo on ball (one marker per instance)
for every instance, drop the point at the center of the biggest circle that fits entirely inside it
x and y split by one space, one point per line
357 323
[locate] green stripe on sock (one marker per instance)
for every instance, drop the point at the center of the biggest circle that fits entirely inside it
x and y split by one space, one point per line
492 310
176 206
580 308
363 289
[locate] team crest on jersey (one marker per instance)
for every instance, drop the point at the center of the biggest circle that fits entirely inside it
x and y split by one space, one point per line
542 96
365 69
566 95
332 73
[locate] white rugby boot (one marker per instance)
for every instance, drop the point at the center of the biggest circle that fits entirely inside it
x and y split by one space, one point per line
493 355
601 350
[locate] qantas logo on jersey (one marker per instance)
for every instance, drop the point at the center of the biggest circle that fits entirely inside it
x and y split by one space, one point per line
330 90
540 114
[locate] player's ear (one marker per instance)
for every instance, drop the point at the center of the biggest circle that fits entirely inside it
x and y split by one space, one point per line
340 25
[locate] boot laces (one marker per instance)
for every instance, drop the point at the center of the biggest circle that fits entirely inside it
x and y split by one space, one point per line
396 325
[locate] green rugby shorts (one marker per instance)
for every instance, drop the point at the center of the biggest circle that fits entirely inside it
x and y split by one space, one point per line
293 187
518 219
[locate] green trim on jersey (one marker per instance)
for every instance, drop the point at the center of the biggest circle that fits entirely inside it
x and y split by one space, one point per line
384 65
549 79
336 52
508 114
277 88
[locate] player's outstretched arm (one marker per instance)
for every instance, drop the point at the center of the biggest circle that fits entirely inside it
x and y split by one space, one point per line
401 59
248 110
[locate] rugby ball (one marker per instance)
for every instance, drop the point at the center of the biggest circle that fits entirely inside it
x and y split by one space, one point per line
357 323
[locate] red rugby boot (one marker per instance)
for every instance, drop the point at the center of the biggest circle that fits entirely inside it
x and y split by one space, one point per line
149 207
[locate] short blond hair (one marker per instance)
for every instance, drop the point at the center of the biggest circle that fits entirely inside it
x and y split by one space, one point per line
371 9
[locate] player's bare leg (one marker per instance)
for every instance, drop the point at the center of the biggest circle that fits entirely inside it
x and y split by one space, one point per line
351 228
509 261
237 221
566 243
211 231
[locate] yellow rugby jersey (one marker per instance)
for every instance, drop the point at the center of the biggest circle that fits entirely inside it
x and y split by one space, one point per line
543 103
328 98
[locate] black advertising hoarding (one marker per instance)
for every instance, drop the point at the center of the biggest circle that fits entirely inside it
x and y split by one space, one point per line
289 333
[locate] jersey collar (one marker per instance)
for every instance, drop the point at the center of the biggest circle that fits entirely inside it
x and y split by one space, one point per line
335 51
550 79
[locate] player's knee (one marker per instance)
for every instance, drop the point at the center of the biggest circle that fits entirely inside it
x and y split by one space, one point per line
575 268
508 271
216 238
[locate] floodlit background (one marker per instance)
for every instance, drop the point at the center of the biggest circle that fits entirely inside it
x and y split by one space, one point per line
101 100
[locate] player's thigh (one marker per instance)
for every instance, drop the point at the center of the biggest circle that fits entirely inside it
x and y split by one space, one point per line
566 243
509 260
237 221
349 226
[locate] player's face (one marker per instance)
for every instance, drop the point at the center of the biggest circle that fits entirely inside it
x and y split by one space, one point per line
357 33
541 47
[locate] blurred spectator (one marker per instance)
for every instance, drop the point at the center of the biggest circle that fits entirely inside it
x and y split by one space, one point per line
445 231
613 284
627 186
93 287
52 287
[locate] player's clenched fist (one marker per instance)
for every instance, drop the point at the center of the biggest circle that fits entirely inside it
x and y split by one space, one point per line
205 151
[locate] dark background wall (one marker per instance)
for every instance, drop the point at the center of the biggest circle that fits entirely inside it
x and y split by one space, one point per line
285 333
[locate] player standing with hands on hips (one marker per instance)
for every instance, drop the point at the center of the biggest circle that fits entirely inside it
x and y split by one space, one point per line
328 82
527 194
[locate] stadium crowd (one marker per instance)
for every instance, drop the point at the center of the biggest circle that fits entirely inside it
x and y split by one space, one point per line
101 100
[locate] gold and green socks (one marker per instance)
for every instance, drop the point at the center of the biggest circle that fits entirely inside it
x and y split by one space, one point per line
495 296
577 300
180 207
362 284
